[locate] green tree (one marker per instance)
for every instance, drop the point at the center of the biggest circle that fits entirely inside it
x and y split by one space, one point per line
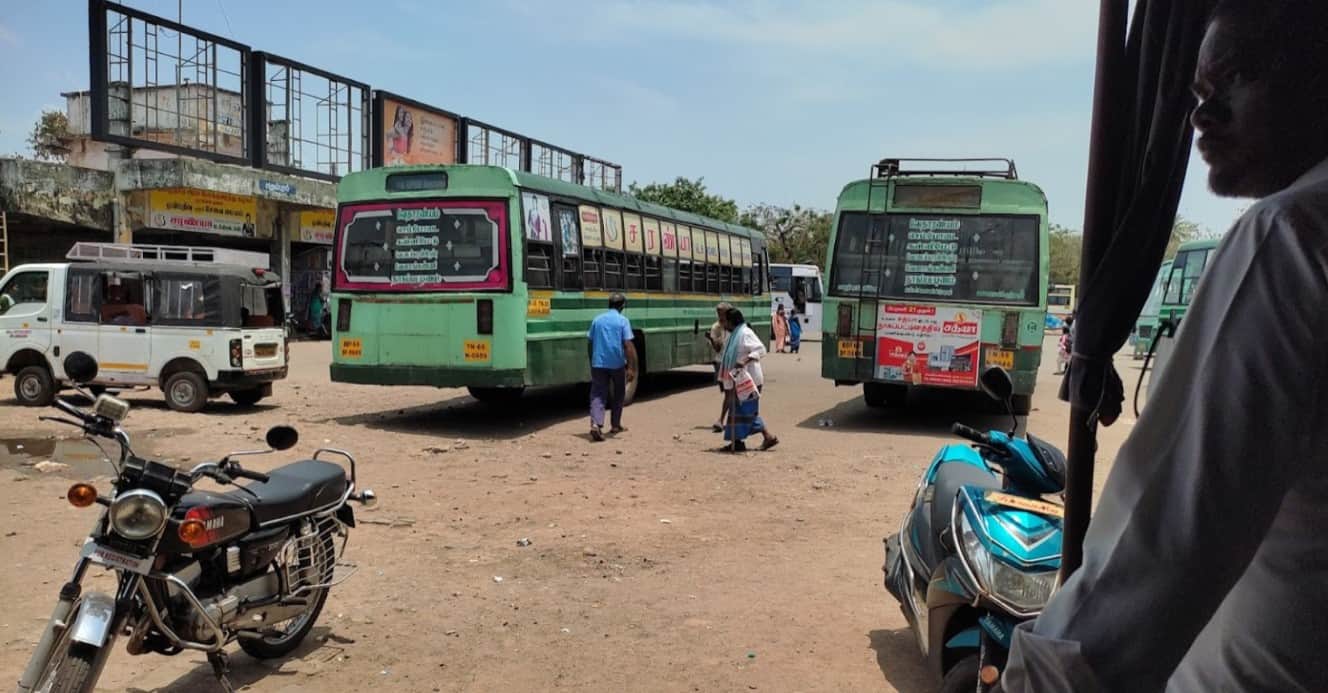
50 137
1182 231
687 195
794 234
1065 246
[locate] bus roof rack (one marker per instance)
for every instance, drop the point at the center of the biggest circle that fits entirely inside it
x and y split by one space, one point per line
157 254
891 168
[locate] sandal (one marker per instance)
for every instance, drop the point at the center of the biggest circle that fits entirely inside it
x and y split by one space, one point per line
769 443
596 434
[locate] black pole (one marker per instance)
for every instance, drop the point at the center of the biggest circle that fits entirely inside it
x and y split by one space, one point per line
1099 209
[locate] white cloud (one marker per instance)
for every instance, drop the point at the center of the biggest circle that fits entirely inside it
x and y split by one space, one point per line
998 35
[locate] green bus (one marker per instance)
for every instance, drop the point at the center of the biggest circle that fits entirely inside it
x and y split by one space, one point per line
934 274
1145 328
488 278
1182 279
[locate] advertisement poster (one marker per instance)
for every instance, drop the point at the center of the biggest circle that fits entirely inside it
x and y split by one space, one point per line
567 227
698 245
928 345
613 229
652 236
316 226
185 209
684 243
746 253
632 232
591 236
725 251
413 135
539 227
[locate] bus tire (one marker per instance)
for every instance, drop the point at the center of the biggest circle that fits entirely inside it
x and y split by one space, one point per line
34 386
882 395
496 395
1021 405
629 392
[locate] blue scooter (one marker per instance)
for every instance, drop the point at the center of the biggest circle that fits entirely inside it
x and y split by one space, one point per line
980 548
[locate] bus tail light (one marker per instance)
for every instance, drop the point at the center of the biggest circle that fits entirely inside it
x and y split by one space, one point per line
1010 331
237 353
343 314
845 320
484 316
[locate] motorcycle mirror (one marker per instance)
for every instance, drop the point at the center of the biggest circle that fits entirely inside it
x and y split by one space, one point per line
997 384
282 437
80 367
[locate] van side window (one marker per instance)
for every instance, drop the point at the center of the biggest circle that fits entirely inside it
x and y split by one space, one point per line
184 300
122 299
83 296
26 291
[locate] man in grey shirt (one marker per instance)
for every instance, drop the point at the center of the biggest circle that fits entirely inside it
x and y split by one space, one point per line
1206 564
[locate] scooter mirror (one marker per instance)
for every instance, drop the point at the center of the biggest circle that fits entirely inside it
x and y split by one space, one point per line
282 437
80 367
997 384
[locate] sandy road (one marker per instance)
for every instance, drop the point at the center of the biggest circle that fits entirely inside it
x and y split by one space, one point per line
655 563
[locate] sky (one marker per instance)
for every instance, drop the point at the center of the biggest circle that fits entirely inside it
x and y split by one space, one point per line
770 101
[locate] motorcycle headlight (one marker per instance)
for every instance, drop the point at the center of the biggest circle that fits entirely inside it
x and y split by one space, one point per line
138 514
1026 592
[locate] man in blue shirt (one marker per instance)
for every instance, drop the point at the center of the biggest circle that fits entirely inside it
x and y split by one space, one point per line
612 364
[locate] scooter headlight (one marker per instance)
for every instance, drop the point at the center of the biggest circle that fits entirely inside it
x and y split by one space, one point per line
138 514
1025 592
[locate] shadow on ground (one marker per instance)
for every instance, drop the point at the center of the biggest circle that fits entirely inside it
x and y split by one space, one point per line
901 661
926 413
320 646
537 409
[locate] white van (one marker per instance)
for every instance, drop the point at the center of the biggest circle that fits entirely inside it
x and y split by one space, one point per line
192 321
798 289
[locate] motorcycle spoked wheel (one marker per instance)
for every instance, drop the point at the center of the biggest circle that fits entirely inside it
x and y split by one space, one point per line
283 638
70 668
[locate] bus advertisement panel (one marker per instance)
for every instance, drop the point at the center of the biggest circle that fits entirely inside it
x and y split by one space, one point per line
928 345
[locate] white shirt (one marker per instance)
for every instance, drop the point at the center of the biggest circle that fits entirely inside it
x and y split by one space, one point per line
1206 564
750 348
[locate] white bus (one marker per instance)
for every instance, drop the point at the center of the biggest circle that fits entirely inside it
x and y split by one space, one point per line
798 289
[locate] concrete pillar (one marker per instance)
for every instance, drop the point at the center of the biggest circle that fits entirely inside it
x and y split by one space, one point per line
121 230
283 229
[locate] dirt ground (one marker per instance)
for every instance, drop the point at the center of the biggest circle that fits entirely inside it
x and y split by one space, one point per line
654 562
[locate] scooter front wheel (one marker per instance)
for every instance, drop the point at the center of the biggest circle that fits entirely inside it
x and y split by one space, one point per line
962 677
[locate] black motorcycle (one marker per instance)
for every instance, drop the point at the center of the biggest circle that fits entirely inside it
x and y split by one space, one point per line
197 570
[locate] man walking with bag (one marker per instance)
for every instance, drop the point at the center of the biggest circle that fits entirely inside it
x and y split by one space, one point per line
612 364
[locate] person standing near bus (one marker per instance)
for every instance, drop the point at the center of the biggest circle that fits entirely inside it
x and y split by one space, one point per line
742 357
718 336
612 364
1205 564
795 332
315 316
779 322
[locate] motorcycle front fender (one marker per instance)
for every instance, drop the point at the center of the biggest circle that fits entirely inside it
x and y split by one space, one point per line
95 620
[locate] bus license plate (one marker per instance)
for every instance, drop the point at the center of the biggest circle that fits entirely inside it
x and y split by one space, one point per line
477 350
1000 357
351 349
850 349
117 559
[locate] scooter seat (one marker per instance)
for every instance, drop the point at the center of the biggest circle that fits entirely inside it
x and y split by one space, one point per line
295 489
949 479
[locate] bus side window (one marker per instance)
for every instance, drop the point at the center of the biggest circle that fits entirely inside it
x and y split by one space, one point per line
613 269
685 276
654 271
592 259
669 272
568 240
539 265
712 279
635 272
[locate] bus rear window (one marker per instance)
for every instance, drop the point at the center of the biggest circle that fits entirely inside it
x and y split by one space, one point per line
436 245
938 258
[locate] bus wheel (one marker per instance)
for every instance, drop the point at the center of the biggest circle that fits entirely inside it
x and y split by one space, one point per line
1021 404
880 395
629 395
496 395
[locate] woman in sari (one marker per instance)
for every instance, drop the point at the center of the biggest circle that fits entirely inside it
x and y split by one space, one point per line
779 322
742 355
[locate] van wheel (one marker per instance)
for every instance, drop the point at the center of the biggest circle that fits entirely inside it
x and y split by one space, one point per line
247 398
185 391
34 387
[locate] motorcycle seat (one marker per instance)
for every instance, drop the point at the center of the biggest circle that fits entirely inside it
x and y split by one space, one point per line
949 479
295 489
